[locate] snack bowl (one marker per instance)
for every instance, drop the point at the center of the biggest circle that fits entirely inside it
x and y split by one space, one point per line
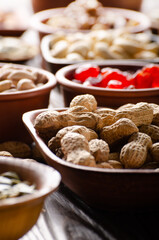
39 20
19 214
107 189
13 23
145 48
39 5
17 50
14 103
104 96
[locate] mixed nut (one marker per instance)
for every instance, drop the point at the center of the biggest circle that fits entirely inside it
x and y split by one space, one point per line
83 134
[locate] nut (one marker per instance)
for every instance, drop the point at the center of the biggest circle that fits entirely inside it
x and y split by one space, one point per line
5 154
151 130
155 120
134 153
141 113
115 164
154 151
54 142
25 84
76 149
5 85
47 124
99 149
122 128
85 100
16 149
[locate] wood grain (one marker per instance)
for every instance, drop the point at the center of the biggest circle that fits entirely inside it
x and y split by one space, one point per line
66 217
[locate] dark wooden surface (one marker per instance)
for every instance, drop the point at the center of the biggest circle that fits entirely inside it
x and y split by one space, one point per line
66 217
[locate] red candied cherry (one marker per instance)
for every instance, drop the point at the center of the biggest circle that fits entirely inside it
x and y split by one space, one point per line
115 84
147 77
142 79
154 71
113 74
85 71
155 83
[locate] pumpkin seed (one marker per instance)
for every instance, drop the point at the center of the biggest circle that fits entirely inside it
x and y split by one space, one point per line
12 186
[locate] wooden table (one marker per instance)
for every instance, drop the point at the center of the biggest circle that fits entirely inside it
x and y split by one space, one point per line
66 217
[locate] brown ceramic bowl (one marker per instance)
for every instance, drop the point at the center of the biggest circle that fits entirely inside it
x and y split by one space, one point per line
14 104
19 214
106 97
39 19
53 64
108 189
39 5
13 23
17 50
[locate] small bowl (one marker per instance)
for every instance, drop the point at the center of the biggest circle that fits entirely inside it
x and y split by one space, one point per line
39 5
17 50
39 19
13 23
53 64
19 214
108 189
14 104
113 98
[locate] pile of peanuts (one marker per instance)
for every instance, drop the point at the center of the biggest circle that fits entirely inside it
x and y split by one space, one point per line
102 44
13 79
125 138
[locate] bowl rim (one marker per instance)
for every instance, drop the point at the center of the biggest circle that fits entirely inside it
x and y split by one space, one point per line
28 119
51 83
37 18
63 81
45 50
48 175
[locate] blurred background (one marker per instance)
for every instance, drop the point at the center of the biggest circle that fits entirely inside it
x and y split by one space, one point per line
26 5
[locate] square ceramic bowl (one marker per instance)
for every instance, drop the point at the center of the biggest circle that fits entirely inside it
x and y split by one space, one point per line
97 46
19 214
107 189
14 103
104 96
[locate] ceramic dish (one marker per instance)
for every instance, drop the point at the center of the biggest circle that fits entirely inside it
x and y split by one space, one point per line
39 5
39 19
14 49
154 19
144 50
14 103
12 23
19 214
106 97
108 189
